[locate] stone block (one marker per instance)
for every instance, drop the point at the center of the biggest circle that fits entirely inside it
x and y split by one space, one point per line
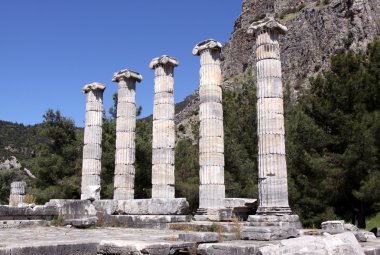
347 238
211 128
90 180
81 223
91 166
124 181
163 174
164 98
106 206
287 220
125 124
364 236
125 156
214 214
156 206
163 191
126 94
235 248
163 111
199 237
90 192
211 159
94 118
211 174
126 109
93 135
210 94
28 212
92 151
18 188
268 68
163 84
211 196
149 248
269 88
73 209
333 227
210 74
239 202
124 169
271 144
211 144
125 140
120 193
211 110
163 156
268 233
94 106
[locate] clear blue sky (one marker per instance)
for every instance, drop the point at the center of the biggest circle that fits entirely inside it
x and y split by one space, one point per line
50 49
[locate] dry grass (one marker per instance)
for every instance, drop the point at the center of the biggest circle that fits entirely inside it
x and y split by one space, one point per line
30 199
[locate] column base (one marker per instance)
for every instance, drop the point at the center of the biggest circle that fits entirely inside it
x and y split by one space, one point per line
281 221
273 210
214 214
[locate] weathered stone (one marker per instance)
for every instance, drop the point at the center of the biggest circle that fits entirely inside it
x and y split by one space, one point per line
364 236
273 184
106 206
333 227
320 245
350 227
154 206
211 142
199 237
286 220
133 247
125 134
17 195
92 152
39 212
233 248
268 233
163 127
73 209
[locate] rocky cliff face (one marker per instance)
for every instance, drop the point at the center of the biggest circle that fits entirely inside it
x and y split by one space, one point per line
318 29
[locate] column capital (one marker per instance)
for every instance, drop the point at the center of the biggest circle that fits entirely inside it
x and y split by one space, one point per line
93 86
127 74
163 60
268 23
207 44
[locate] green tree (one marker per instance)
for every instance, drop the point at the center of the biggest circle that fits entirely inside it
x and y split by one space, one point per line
334 140
240 138
57 165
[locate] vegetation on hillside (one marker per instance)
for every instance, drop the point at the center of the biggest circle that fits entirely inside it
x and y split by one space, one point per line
332 143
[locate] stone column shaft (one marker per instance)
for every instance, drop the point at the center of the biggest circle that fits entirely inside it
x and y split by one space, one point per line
163 178
92 150
211 141
17 196
273 185
124 181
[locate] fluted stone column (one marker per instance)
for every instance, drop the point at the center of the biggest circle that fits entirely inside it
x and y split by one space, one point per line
163 179
17 195
211 141
124 181
273 184
92 150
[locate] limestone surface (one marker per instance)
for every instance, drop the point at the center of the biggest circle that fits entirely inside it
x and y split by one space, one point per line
124 179
154 206
92 151
211 141
273 184
163 180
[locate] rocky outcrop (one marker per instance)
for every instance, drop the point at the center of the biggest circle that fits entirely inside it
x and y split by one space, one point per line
317 30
